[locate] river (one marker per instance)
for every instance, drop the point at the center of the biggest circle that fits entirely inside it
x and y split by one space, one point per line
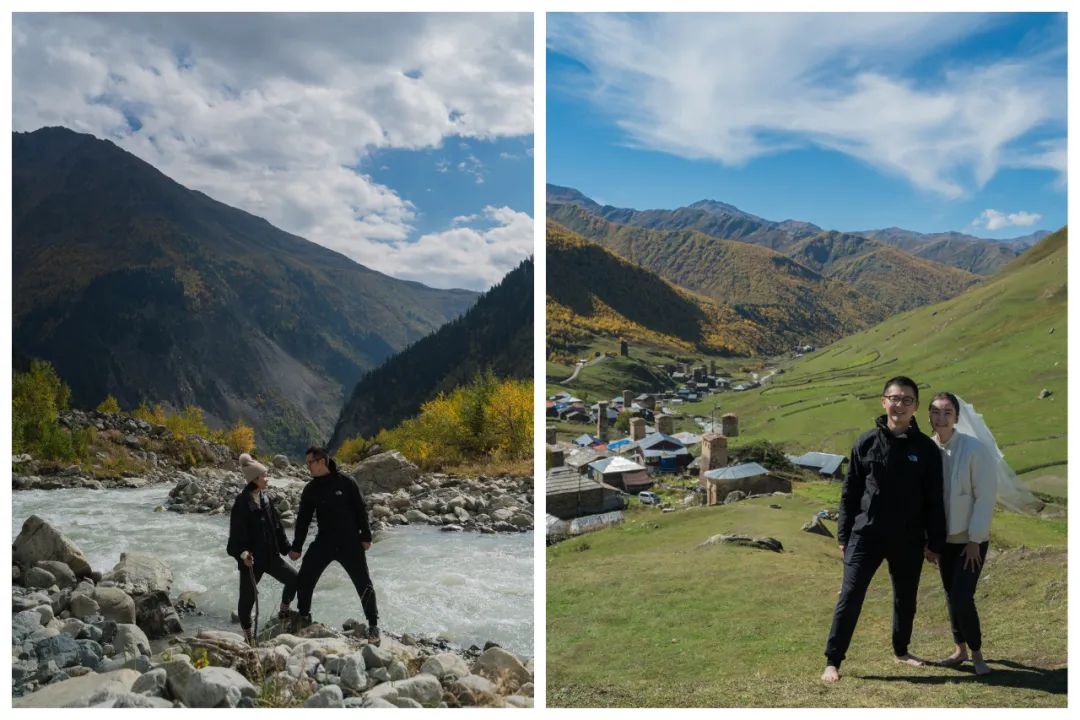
467 587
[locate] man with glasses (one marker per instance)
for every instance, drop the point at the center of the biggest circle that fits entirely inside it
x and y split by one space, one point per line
892 509
344 536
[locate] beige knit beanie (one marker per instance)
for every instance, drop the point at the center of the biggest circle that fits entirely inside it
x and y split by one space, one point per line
251 468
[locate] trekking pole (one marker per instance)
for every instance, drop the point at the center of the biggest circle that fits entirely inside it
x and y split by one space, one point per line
255 587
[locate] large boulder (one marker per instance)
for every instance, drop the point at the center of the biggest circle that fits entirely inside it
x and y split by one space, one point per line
61 649
77 691
445 666
81 605
155 614
37 577
62 574
496 664
115 604
385 472
130 641
38 540
328 696
140 573
216 687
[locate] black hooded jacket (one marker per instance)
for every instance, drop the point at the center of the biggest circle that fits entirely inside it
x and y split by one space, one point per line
893 488
256 527
339 510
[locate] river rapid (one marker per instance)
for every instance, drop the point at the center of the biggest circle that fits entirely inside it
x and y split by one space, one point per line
466 587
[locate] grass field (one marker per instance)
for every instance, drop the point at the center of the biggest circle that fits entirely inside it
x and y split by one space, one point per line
638 615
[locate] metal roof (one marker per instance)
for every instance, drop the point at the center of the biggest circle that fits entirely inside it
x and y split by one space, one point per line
737 472
825 463
615 465
564 480
654 438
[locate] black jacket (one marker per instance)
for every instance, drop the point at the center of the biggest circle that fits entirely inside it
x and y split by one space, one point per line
893 488
339 510
256 527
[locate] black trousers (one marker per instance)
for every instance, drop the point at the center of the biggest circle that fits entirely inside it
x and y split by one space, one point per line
276 568
862 557
354 560
960 594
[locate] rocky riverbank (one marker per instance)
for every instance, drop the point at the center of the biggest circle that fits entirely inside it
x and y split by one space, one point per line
84 638
397 493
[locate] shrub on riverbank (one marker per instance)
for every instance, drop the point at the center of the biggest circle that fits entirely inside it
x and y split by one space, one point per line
488 421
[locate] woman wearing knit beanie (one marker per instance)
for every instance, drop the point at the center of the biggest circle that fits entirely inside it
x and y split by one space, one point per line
257 541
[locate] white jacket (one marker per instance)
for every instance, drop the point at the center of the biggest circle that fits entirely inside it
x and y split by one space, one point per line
970 486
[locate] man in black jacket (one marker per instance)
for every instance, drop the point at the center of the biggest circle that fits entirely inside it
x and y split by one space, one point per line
891 509
344 536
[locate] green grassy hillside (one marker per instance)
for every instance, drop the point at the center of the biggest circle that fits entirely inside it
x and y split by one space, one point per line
639 615
997 345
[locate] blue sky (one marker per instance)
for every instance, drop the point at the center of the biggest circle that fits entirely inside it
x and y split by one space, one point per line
399 140
853 122
457 179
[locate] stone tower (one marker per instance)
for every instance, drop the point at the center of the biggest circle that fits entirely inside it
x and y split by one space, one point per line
637 428
713 453
730 425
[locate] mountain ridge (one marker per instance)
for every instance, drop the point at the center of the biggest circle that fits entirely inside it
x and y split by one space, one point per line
181 299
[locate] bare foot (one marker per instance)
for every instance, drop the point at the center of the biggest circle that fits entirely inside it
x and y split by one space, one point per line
910 659
831 674
957 659
981 668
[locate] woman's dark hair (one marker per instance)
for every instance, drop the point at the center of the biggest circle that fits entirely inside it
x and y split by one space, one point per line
902 381
319 453
952 401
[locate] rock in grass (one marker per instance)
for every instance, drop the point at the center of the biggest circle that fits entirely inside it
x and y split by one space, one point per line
763 543
816 527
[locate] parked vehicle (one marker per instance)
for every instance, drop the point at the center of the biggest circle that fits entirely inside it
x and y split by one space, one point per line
648 498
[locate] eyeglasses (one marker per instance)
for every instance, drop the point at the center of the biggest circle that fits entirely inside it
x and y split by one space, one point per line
312 462
905 400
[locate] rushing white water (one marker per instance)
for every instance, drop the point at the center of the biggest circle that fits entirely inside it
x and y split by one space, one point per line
467 587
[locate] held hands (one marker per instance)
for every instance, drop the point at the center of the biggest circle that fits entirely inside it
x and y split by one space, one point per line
248 558
931 556
293 555
842 548
971 555
365 545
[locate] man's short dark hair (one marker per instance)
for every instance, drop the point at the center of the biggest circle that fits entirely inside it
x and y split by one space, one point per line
317 452
902 381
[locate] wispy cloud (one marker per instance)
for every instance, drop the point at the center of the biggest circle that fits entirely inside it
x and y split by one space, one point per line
470 257
269 112
735 87
991 219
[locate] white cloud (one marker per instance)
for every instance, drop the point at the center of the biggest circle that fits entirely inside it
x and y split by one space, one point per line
991 219
734 87
270 113
469 257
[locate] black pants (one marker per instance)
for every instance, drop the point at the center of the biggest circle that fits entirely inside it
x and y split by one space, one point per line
862 557
960 594
354 560
276 568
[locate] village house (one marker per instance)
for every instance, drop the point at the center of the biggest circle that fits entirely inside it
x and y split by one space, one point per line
621 473
826 464
750 478
663 453
571 495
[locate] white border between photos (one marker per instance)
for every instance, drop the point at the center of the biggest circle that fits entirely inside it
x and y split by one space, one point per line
538 7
